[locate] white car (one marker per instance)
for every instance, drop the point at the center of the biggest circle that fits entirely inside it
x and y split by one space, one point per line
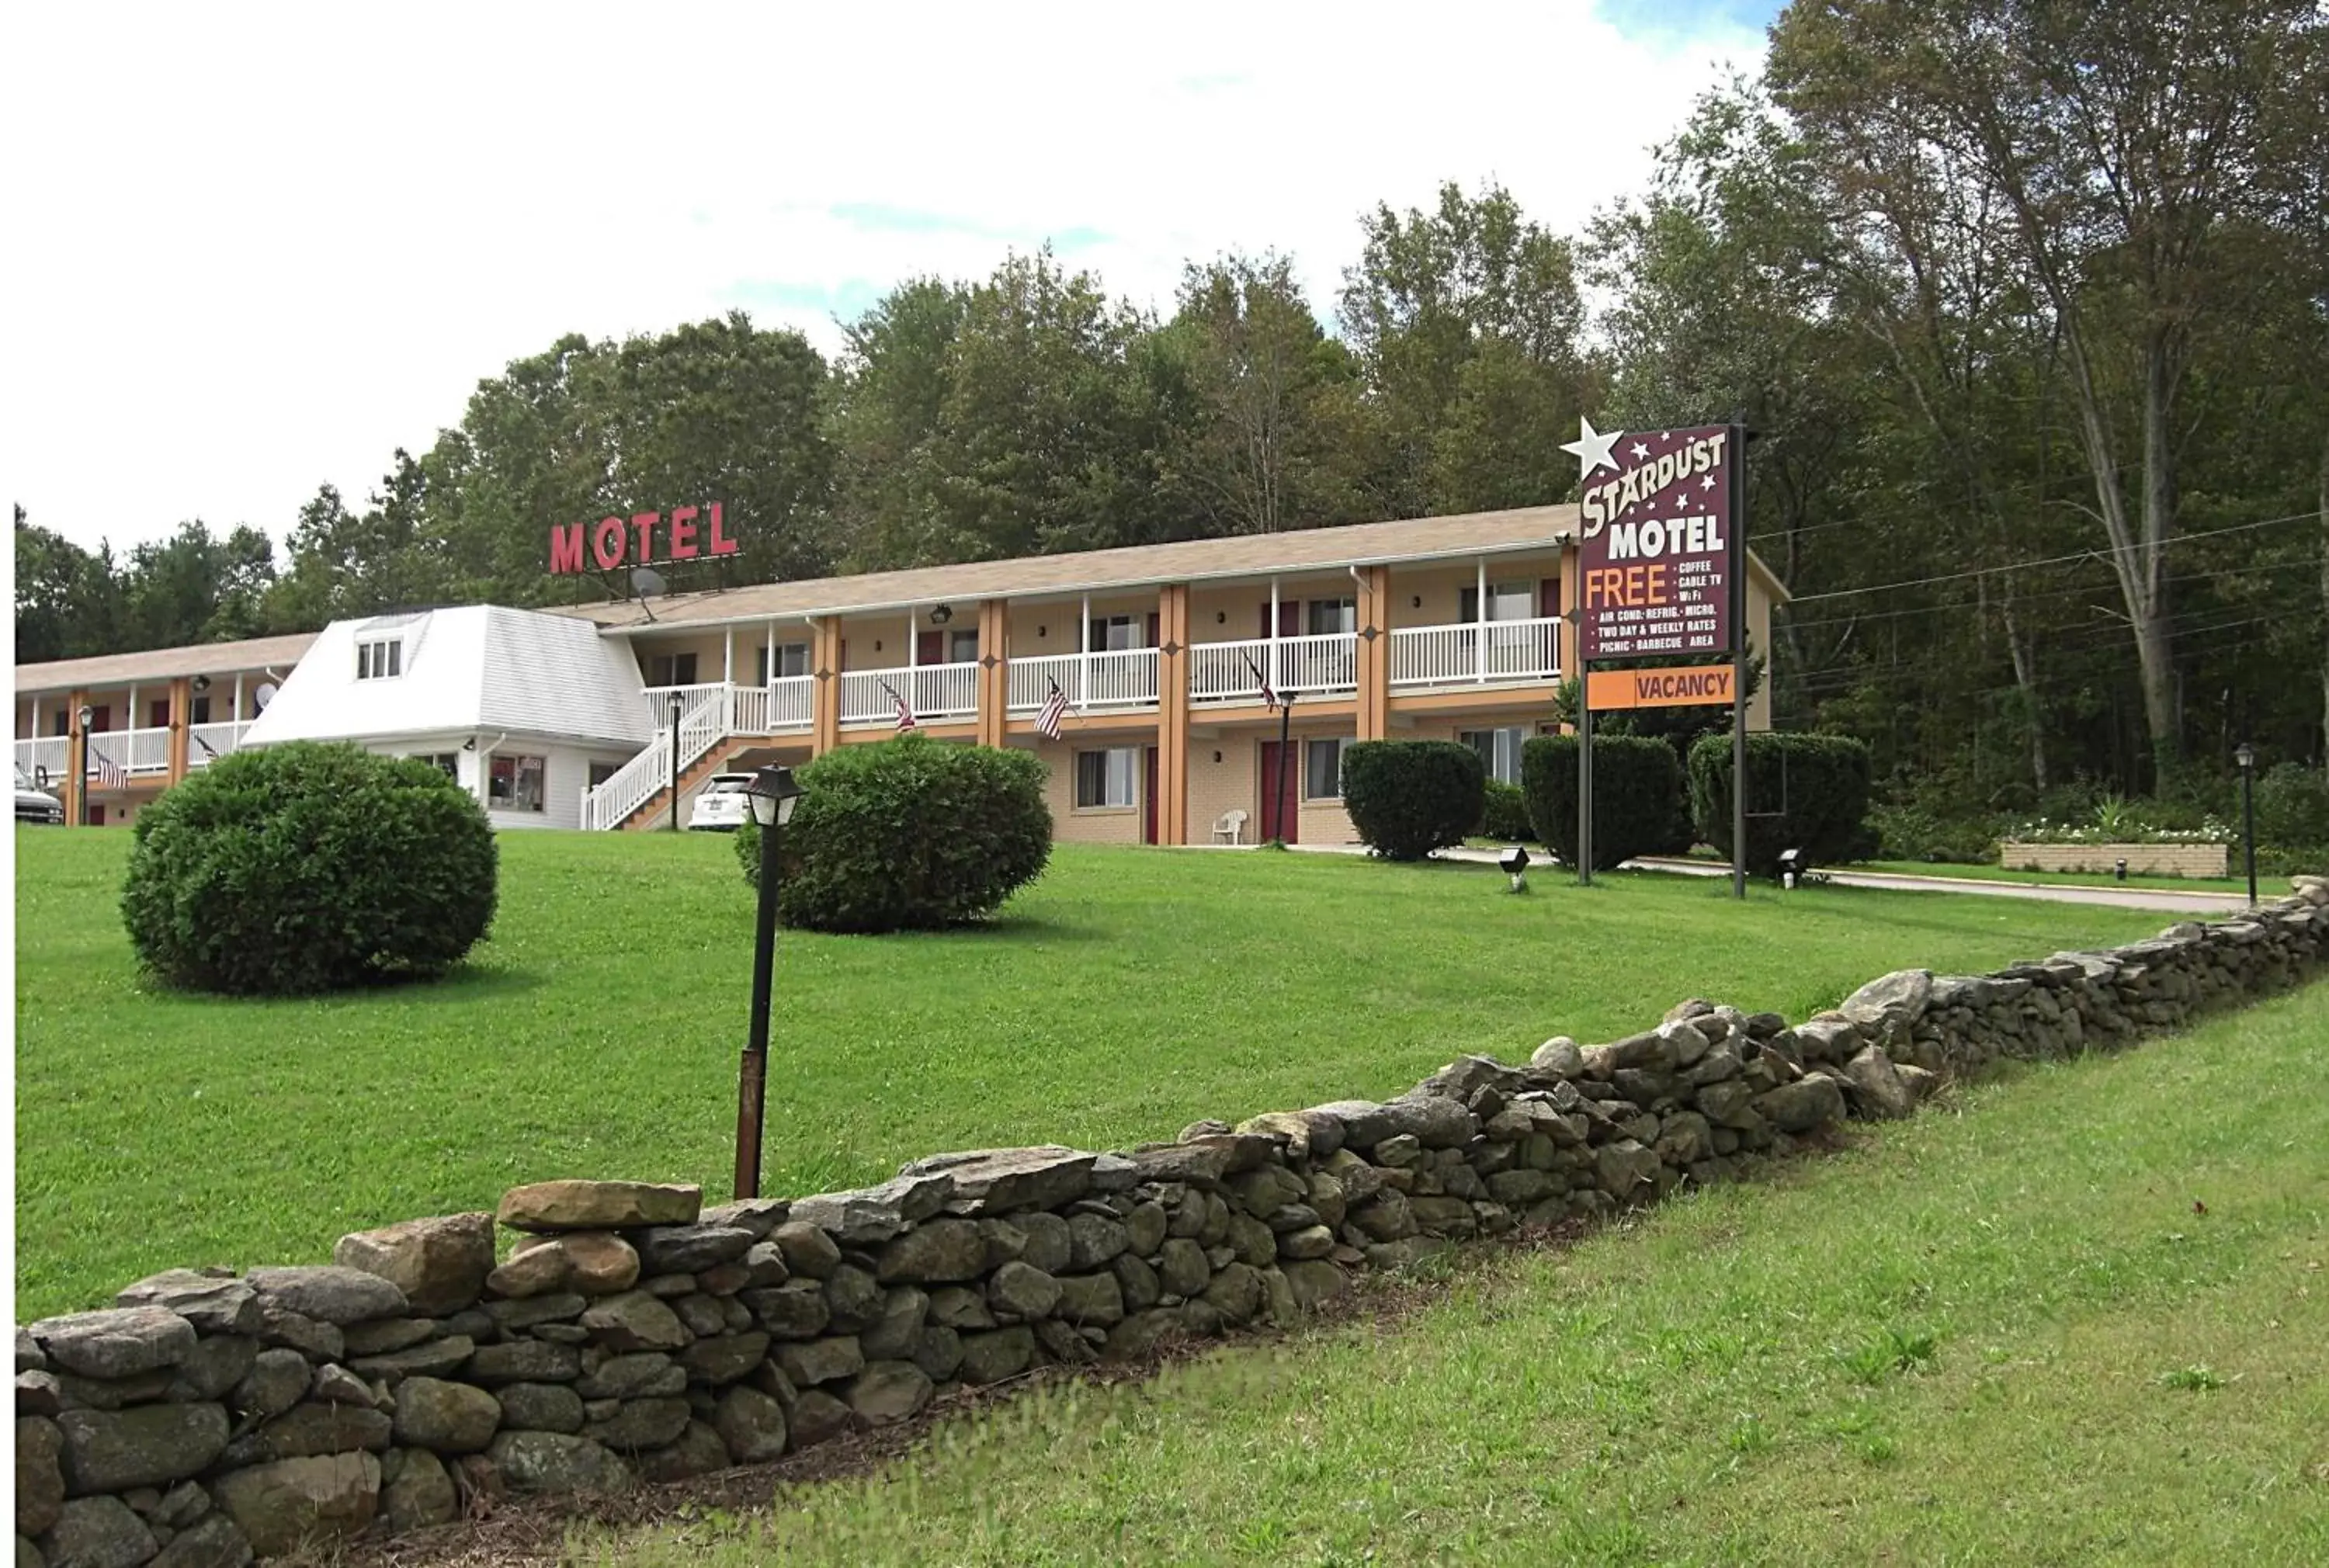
35 805
721 808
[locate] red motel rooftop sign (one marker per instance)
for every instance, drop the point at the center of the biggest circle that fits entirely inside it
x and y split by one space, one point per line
686 533
1655 550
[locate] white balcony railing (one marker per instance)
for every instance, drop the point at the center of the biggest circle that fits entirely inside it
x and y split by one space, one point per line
1233 672
933 691
206 743
702 724
658 700
46 758
1118 679
1475 653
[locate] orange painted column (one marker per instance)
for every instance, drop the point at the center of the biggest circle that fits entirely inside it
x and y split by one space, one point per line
76 763
1374 655
181 701
825 665
1173 714
994 672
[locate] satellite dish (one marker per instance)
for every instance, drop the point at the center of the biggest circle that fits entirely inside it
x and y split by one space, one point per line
645 580
264 695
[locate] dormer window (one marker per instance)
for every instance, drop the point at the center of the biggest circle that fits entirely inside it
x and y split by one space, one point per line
379 660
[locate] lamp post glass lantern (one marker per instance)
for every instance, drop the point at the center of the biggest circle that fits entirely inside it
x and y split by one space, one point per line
80 773
2246 758
772 794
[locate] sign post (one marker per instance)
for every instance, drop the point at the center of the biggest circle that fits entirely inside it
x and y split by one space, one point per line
1661 556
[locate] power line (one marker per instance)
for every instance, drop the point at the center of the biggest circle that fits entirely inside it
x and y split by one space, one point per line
1960 606
2103 553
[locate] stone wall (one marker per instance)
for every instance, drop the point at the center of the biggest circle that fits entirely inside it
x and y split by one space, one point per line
634 1334
2102 859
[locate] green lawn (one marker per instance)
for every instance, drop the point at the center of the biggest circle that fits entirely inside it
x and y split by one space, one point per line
1128 994
2005 1334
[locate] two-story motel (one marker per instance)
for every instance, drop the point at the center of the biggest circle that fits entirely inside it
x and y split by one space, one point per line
1431 628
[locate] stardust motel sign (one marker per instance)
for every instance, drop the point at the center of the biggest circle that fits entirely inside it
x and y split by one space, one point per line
686 535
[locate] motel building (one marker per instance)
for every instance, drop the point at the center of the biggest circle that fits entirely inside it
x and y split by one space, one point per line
1443 628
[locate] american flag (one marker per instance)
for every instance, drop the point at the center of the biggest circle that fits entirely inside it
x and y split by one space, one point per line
1268 694
109 771
905 709
1055 708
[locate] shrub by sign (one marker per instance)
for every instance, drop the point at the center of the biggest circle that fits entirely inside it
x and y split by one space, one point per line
1637 796
1810 792
1409 797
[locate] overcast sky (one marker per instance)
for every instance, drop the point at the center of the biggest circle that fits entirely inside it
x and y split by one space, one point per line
248 257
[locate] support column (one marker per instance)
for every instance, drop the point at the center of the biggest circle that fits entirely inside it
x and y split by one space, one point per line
1173 714
181 701
993 677
76 761
825 665
1572 604
1374 654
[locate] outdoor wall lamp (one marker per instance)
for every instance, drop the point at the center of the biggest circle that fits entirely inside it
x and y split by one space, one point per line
1514 862
772 794
941 614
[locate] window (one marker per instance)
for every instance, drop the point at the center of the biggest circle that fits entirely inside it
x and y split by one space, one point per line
202 710
600 771
1333 615
1322 777
1506 602
449 763
792 659
1499 749
670 668
380 660
516 783
1105 778
962 646
1113 633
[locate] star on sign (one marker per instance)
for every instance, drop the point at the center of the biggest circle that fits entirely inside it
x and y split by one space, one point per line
1640 450
1708 482
1592 447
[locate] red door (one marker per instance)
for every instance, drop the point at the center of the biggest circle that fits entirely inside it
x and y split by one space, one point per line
1148 801
929 648
158 714
1277 797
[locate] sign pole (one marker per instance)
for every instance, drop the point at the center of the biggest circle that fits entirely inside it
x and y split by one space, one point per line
1736 479
1584 773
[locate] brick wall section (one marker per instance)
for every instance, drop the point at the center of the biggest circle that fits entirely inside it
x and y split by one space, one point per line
2142 859
636 1336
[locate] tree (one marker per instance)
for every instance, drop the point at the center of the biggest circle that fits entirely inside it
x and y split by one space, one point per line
2125 151
1431 295
68 603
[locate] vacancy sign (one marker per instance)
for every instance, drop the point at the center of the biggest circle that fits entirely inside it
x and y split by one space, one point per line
1656 552
1677 686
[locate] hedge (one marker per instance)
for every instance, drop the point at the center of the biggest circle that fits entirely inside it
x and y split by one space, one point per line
304 867
1407 798
907 834
1506 815
1637 792
1803 792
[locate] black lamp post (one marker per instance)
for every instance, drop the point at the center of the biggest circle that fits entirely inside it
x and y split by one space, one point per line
674 761
772 794
2246 756
81 774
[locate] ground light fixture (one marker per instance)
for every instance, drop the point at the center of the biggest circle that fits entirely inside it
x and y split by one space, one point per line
2245 754
772 794
1793 863
675 705
1514 861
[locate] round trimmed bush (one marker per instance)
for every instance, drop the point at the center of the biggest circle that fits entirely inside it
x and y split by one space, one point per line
1803 792
1409 797
1506 816
910 834
1637 792
305 868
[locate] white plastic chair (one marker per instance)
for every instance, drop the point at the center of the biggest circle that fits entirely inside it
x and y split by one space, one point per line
1230 829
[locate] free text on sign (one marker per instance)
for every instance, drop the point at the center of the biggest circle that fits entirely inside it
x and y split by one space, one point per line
1677 686
1656 552
688 533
